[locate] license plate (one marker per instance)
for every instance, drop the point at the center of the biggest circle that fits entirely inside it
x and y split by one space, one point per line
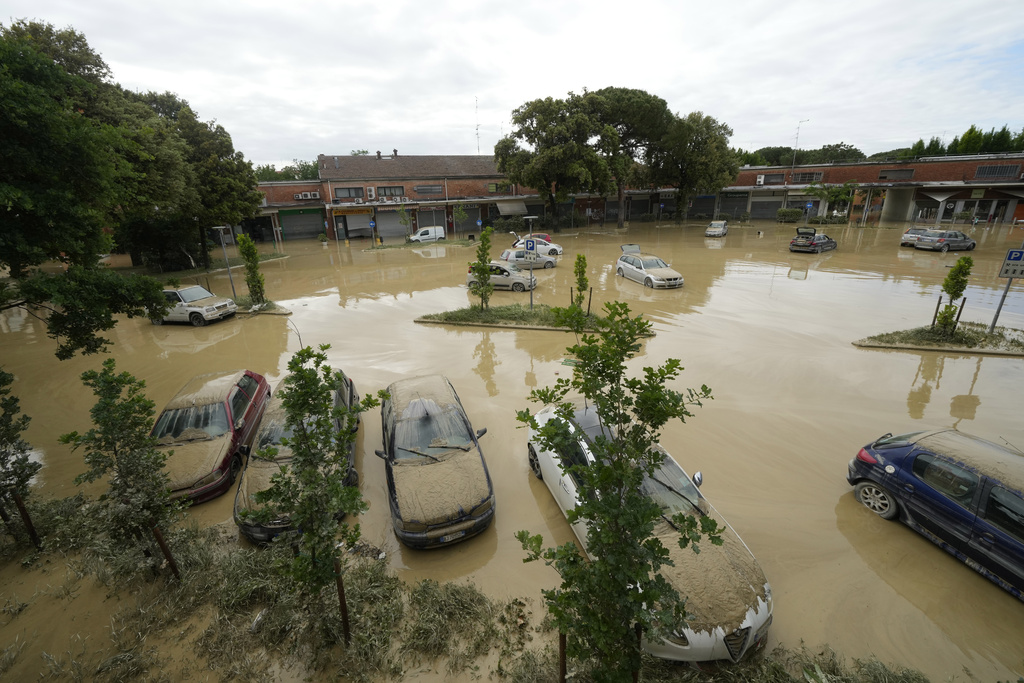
451 537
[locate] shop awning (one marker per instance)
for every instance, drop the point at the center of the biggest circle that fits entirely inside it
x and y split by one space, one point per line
511 207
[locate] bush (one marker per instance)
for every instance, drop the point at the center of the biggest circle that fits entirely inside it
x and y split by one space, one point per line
646 218
723 216
788 215
745 216
818 220
700 216
511 224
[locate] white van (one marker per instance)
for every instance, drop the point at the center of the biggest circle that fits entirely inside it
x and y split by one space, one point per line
430 234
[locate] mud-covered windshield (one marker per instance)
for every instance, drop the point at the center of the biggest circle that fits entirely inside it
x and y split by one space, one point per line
427 429
672 489
190 294
650 263
195 422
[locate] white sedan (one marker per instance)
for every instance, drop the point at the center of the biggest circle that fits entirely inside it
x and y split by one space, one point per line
729 600
542 246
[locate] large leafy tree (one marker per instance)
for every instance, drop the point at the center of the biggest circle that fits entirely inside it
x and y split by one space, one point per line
297 170
16 468
62 180
601 602
638 120
694 157
481 269
558 148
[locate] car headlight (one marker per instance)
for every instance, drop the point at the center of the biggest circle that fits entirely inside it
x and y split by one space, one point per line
412 527
678 638
482 508
210 478
210 309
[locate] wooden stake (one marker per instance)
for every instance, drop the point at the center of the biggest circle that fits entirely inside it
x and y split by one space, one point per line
167 552
341 601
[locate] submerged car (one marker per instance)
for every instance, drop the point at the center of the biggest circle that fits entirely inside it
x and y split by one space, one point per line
647 269
439 489
262 465
505 276
729 600
542 246
196 305
717 229
518 257
533 235
963 493
810 240
209 425
909 238
944 240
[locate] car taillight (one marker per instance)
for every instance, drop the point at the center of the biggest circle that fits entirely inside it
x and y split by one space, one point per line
942 239
864 456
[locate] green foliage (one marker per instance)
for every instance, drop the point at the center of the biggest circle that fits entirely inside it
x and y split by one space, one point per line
297 170
694 157
599 602
481 269
579 269
16 469
837 196
954 286
458 213
404 219
788 215
311 489
119 446
254 279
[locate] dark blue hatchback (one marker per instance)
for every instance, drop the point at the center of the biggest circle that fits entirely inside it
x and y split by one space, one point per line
961 492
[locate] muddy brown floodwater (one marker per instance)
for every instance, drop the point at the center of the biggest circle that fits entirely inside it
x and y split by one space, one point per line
769 331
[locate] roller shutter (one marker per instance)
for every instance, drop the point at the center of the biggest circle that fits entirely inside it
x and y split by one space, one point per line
733 203
389 225
301 223
767 209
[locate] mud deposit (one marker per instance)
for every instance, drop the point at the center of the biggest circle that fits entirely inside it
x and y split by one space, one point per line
769 331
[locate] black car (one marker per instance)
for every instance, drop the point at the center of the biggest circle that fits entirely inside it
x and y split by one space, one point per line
262 528
808 239
439 488
961 492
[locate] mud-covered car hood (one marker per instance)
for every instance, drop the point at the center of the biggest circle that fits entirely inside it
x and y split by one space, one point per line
664 273
193 460
432 492
724 585
211 302
256 478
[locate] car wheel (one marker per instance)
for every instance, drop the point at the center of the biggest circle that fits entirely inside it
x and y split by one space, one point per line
518 287
197 320
877 499
534 461
440 239
471 283
236 467
549 264
817 250
944 248
971 246
649 283
158 321
619 272
553 252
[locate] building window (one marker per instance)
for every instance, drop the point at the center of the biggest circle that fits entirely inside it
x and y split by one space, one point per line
896 174
428 189
1004 171
774 178
499 188
390 191
809 177
343 192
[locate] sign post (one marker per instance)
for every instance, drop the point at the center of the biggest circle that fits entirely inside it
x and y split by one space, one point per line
1013 266
531 255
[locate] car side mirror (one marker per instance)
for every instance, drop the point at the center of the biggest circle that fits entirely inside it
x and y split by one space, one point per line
244 450
481 432
239 423
698 479
381 454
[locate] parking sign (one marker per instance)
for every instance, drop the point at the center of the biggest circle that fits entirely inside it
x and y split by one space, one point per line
1013 266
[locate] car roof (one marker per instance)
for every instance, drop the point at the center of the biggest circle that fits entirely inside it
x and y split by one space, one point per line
179 288
716 224
205 389
986 457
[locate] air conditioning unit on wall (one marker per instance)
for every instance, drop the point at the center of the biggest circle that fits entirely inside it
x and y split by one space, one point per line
315 195
760 180
305 195
370 193
405 200
359 200
297 196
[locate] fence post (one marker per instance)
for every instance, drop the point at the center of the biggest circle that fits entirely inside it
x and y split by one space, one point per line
341 602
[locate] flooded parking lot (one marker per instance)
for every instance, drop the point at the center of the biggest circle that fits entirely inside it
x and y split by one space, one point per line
768 330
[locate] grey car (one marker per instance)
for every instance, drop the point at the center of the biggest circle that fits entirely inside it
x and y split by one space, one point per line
506 276
909 238
518 257
944 240
646 269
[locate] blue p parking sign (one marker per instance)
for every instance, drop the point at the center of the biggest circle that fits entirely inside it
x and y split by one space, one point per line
1013 266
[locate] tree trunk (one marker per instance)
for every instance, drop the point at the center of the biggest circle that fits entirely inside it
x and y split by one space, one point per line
622 205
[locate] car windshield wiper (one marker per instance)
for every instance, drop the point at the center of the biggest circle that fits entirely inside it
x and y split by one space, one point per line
418 452
670 488
464 447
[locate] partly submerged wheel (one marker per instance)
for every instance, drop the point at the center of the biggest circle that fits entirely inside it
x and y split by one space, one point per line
518 287
877 499
619 272
534 461
649 283
553 252
197 320
549 264
944 248
236 467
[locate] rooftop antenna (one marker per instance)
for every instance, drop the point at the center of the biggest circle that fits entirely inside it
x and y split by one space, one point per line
476 111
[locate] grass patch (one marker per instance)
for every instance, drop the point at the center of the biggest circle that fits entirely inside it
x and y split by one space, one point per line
514 314
420 245
967 335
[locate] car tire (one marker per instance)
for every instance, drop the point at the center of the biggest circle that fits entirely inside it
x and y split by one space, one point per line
236 467
553 252
197 320
649 283
549 264
158 321
817 250
518 287
944 248
877 499
971 246
471 283
440 239
619 272
534 461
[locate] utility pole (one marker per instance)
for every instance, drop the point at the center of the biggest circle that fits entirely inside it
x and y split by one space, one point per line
798 139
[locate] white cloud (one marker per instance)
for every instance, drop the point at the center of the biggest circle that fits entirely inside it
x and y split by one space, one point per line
299 78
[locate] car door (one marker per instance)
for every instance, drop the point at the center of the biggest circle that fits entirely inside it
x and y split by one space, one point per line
940 497
632 268
500 277
245 408
997 539
569 484
177 312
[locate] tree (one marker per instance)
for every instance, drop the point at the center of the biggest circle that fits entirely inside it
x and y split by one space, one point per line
954 286
694 157
599 603
556 148
311 490
253 277
935 147
405 220
359 152
16 468
835 196
750 158
481 269
119 446
638 120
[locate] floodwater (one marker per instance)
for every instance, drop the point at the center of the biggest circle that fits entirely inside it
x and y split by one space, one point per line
769 331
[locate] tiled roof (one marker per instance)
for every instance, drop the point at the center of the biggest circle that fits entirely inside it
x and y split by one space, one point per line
369 167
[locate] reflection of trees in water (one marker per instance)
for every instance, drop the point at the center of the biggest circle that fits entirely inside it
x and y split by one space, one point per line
488 360
929 372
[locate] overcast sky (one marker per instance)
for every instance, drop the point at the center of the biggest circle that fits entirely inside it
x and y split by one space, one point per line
295 78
